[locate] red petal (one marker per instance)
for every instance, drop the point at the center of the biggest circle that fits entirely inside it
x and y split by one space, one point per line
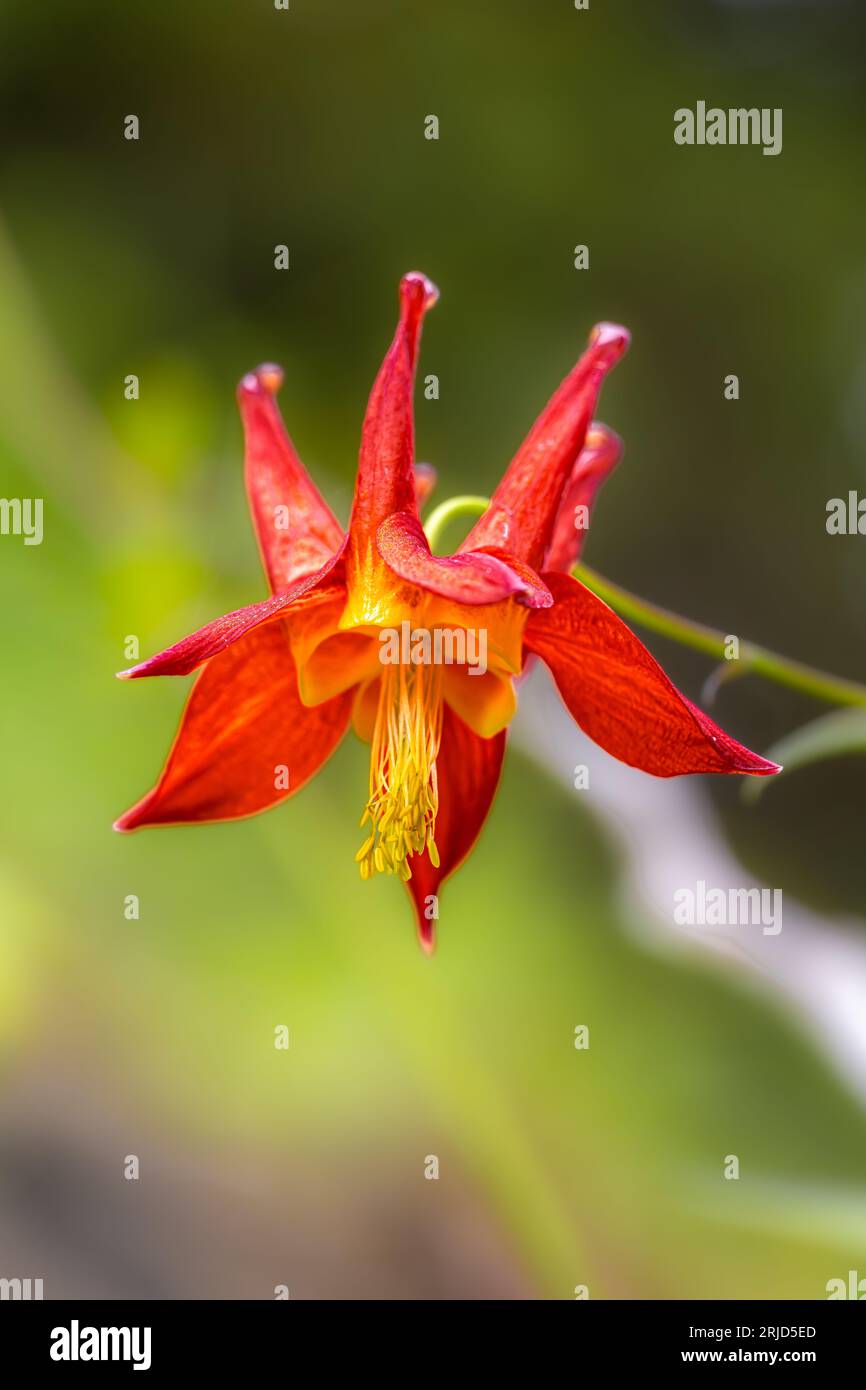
523 508
385 481
596 461
425 481
619 694
297 531
467 771
469 578
215 637
243 723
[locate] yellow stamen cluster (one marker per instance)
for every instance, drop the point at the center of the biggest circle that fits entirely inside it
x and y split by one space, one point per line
404 798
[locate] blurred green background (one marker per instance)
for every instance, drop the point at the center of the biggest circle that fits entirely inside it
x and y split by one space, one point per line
155 257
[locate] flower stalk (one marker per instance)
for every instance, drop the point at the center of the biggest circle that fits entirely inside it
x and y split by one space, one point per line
753 659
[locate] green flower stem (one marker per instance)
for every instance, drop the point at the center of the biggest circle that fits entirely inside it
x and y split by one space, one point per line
447 511
753 659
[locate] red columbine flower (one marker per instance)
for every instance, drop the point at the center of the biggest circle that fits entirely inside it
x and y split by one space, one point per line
281 680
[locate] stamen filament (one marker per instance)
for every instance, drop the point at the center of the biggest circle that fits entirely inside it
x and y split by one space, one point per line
404 798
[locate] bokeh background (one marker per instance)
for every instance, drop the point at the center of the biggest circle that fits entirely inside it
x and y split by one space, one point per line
155 1037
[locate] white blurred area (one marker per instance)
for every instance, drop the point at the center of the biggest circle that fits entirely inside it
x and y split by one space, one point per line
669 839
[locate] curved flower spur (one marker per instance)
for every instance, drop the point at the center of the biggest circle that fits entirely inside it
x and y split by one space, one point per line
281 680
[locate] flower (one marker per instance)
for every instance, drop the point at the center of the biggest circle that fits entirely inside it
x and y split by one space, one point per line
281 680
